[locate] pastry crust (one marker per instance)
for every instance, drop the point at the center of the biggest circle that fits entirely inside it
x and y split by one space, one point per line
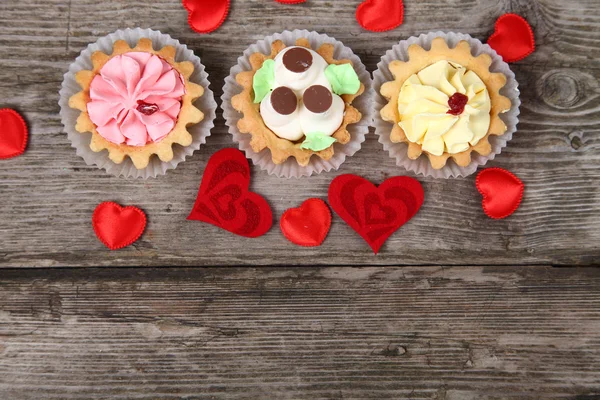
140 155
262 137
420 59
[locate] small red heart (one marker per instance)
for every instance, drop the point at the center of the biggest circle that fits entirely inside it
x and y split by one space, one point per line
224 200
375 212
513 38
290 1
308 224
205 16
117 226
380 15
502 192
13 134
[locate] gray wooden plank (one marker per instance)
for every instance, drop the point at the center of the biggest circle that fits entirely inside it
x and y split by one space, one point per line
300 333
47 196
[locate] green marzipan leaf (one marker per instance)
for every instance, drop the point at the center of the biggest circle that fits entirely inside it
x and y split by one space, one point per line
317 141
264 80
343 79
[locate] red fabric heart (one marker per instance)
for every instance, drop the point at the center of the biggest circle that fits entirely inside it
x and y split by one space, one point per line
308 224
224 200
13 134
502 192
513 38
375 212
380 15
205 16
117 226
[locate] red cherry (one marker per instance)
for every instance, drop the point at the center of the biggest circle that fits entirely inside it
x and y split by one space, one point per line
146 108
457 103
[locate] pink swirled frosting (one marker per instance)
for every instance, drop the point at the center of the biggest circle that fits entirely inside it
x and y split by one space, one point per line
135 99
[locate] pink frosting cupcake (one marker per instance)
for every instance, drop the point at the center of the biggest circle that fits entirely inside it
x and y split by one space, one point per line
137 102
133 91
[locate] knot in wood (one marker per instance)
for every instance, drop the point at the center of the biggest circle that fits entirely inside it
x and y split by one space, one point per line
561 89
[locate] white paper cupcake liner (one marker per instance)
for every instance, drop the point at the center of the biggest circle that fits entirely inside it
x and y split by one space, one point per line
399 151
81 141
290 168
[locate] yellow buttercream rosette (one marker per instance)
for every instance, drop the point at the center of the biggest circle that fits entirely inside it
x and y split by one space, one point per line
425 114
420 103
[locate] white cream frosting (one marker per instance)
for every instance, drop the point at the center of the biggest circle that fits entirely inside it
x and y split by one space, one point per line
300 81
327 122
302 121
423 107
285 126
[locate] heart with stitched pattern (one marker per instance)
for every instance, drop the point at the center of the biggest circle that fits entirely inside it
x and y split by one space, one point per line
224 199
375 212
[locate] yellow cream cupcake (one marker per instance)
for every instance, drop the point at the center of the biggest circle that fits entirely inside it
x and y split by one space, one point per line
445 103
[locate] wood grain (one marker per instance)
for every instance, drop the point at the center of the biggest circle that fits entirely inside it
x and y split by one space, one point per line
47 196
306 333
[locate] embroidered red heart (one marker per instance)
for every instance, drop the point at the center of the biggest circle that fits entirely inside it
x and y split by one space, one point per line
13 134
375 212
224 200
502 192
380 15
205 16
117 226
308 224
513 38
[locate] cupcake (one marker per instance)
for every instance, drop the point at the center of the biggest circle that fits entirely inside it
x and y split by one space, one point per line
297 102
135 96
137 102
445 103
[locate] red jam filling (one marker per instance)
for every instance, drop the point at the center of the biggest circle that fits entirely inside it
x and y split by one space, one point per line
457 103
146 108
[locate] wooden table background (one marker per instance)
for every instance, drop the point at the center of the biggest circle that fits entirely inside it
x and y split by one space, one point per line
456 306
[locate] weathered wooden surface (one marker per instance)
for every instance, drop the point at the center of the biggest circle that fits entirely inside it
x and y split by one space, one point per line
457 333
47 196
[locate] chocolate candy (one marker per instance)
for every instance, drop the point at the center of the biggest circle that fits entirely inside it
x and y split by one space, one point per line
297 59
283 100
317 99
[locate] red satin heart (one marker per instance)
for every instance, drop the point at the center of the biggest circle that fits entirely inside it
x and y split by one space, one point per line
513 38
375 212
205 16
224 200
13 134
117 226
502 192
380 15
308 224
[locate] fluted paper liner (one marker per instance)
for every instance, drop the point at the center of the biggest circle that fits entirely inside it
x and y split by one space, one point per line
422 165
81 141
290 168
